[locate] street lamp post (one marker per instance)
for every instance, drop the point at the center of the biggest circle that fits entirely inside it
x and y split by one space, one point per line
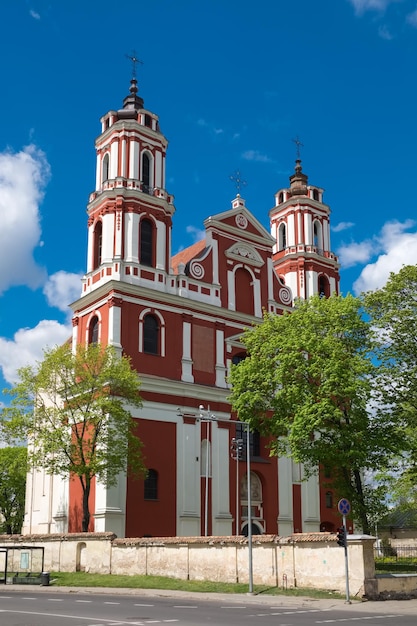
250 561
237 447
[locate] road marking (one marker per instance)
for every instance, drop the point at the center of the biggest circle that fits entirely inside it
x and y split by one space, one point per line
103 622
143 605
184 606
28 598
111 602
233 607
55 599
85 601
355 619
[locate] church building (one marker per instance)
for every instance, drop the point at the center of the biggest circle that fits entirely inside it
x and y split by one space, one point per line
180 319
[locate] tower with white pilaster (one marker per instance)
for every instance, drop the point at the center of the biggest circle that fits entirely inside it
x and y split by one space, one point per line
300 224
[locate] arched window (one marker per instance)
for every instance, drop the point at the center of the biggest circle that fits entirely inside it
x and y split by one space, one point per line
146 243
150 487
93 330
317 235
148 120
323 287
282 236
244 296
254 440
106 167
150 335
315 194
237 358
98 244
329 500
146 173
281 197
256 513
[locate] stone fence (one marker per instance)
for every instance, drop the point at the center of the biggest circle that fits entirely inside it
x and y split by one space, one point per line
312 560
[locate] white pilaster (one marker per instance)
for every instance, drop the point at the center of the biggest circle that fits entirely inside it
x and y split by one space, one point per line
188 480
285 497
220 505
160 245
310 504
186 361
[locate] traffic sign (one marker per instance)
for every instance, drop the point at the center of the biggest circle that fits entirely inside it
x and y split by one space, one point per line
343 506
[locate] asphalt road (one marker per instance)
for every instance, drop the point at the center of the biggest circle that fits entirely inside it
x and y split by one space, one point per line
43 606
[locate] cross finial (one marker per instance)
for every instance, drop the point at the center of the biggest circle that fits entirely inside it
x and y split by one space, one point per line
238 180
135 60
299 145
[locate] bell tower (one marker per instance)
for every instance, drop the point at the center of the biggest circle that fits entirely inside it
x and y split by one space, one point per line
130 211
300 225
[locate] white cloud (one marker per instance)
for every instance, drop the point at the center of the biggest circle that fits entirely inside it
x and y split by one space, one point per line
35 15
342 226
361 6
196 233
61 289
355 253
396 248
23 176
412 18
255 155
28 344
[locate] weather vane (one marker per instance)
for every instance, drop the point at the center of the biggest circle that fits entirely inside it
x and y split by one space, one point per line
299 145
238 180
135 60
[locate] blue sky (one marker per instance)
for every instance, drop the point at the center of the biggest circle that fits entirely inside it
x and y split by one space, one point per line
233 83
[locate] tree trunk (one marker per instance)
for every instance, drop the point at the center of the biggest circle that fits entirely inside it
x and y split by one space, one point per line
359 491
86 497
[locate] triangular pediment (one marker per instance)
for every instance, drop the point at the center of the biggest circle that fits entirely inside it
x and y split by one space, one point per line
241 222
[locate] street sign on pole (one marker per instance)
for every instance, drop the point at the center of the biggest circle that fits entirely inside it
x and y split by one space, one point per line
343 506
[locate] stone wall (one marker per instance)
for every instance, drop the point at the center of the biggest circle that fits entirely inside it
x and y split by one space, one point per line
312 560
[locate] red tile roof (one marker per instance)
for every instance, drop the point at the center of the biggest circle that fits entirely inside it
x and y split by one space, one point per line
187 254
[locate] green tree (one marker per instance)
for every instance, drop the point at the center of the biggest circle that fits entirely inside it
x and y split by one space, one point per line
393 312
307 383
13 466
74 410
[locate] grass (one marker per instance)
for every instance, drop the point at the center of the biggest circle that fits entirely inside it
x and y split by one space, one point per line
84 579
394 565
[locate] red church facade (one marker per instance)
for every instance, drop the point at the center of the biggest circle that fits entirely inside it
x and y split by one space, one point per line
180 319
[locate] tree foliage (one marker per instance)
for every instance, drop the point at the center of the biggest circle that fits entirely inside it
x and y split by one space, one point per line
307 383
74 410
13 466
393 312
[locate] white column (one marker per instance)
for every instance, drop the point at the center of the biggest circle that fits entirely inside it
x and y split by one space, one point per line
291 230
257 297
186 361
231 290
310 504
158 169
123 158
285 498
114 159
220 364
110 512
188 479
115 325
308 239
300 234
160 245
220 504
134 159
131 237
108 237
98 172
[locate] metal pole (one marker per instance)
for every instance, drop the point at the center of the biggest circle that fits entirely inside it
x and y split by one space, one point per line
237 490
207 477
346 562
250 564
